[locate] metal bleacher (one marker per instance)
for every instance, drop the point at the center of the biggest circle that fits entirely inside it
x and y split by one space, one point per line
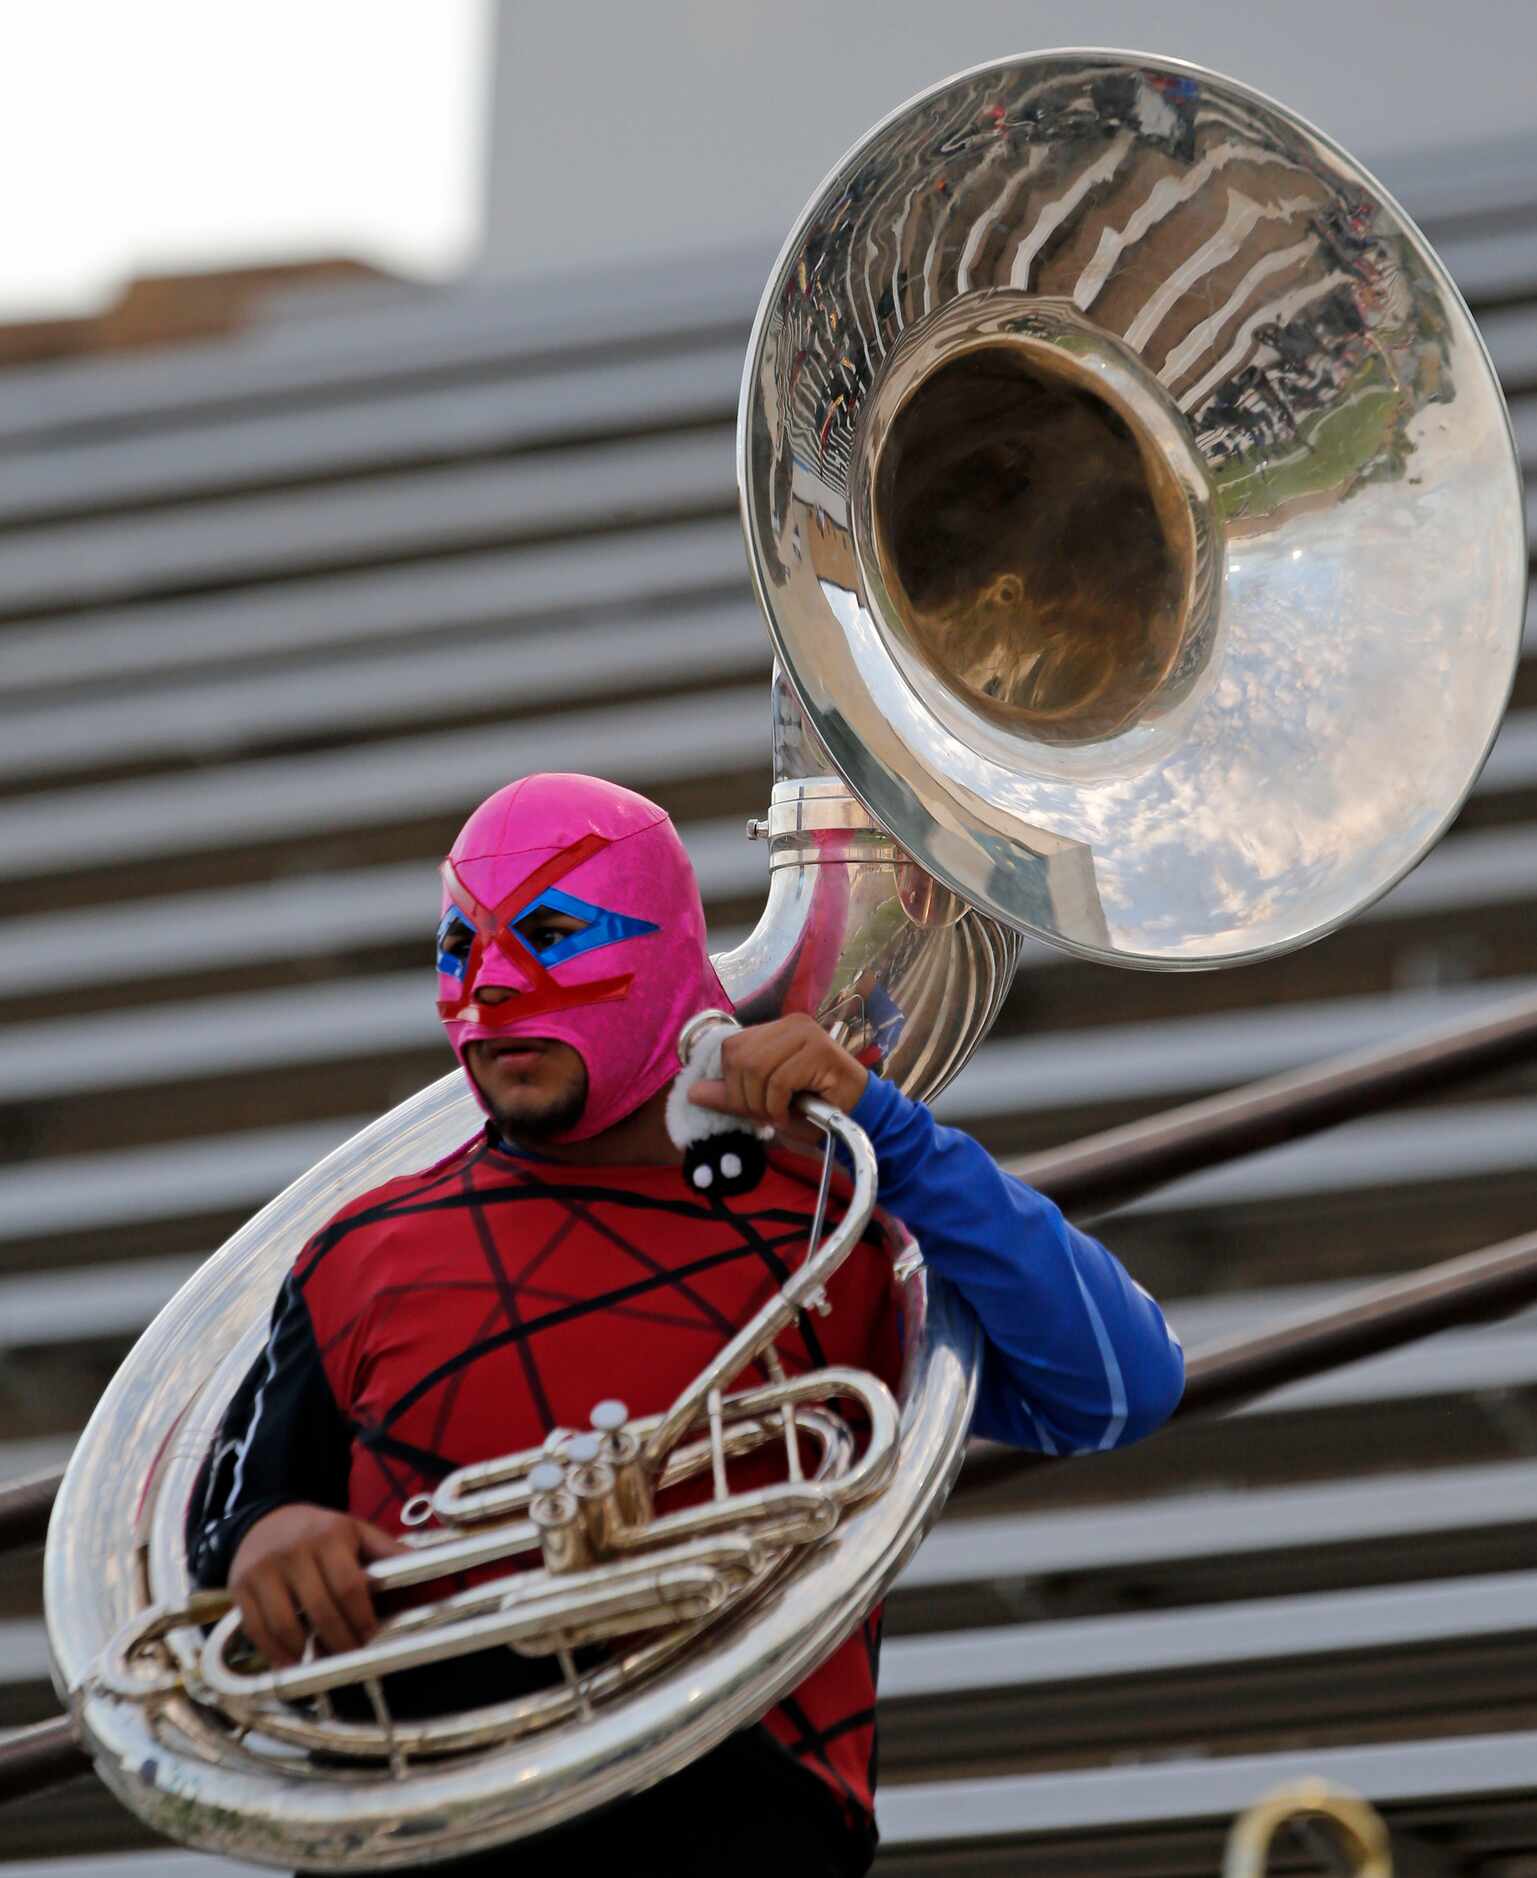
276 610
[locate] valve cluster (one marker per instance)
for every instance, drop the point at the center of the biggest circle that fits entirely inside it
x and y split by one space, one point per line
590 1488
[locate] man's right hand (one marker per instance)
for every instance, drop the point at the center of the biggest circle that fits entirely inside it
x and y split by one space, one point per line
306 1563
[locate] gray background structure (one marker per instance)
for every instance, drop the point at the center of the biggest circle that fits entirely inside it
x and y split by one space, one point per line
275 609
676 130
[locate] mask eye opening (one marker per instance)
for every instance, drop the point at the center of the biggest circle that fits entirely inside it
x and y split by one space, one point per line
545 928
455 938
583 927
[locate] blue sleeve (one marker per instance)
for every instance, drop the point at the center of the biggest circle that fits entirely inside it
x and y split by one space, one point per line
1077 1356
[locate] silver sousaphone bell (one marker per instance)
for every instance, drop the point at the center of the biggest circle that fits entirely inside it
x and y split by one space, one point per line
1138 524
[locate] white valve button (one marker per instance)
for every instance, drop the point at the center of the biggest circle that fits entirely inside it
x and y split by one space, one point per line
583 1449
546 1477
609 1417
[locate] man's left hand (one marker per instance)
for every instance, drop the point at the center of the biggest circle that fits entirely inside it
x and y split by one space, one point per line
765 1067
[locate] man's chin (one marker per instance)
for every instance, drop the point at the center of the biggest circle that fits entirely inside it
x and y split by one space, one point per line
521 1109
532 1115
549 1122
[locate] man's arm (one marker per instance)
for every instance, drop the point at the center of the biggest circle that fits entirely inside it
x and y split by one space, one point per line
1077 1356
266 1517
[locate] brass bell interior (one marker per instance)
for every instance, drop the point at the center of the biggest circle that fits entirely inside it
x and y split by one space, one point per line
1033 543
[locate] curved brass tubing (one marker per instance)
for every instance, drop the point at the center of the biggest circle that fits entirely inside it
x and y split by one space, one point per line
1357 1826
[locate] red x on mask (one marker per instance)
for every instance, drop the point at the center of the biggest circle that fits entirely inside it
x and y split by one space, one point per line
496 931
620 989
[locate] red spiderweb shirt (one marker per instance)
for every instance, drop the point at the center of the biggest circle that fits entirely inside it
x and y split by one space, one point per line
462 1313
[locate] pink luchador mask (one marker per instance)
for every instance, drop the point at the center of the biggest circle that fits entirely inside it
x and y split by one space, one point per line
620 989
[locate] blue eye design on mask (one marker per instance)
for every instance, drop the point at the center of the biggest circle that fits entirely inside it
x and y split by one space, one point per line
452 965
603 928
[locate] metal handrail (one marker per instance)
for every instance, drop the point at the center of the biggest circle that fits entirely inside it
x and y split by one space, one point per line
1116 1166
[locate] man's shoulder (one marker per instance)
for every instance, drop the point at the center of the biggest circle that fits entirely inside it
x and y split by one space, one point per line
397 1197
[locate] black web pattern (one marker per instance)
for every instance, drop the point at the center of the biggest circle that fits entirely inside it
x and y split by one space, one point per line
522 1253
523 1301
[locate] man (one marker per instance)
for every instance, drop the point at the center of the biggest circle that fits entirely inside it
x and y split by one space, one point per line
561 1258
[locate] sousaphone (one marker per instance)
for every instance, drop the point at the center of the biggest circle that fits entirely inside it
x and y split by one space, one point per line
1138 524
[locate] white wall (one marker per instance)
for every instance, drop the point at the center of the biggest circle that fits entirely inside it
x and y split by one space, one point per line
626 129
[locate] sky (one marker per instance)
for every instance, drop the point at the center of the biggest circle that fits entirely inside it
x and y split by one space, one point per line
144 136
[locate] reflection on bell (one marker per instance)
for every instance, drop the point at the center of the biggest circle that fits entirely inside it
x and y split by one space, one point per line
1116 461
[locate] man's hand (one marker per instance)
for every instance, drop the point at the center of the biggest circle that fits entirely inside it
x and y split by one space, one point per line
764 1068
306 1562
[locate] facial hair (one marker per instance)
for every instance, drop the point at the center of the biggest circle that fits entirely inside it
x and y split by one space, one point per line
528 1124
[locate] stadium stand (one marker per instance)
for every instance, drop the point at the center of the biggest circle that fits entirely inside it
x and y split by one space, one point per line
275 608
